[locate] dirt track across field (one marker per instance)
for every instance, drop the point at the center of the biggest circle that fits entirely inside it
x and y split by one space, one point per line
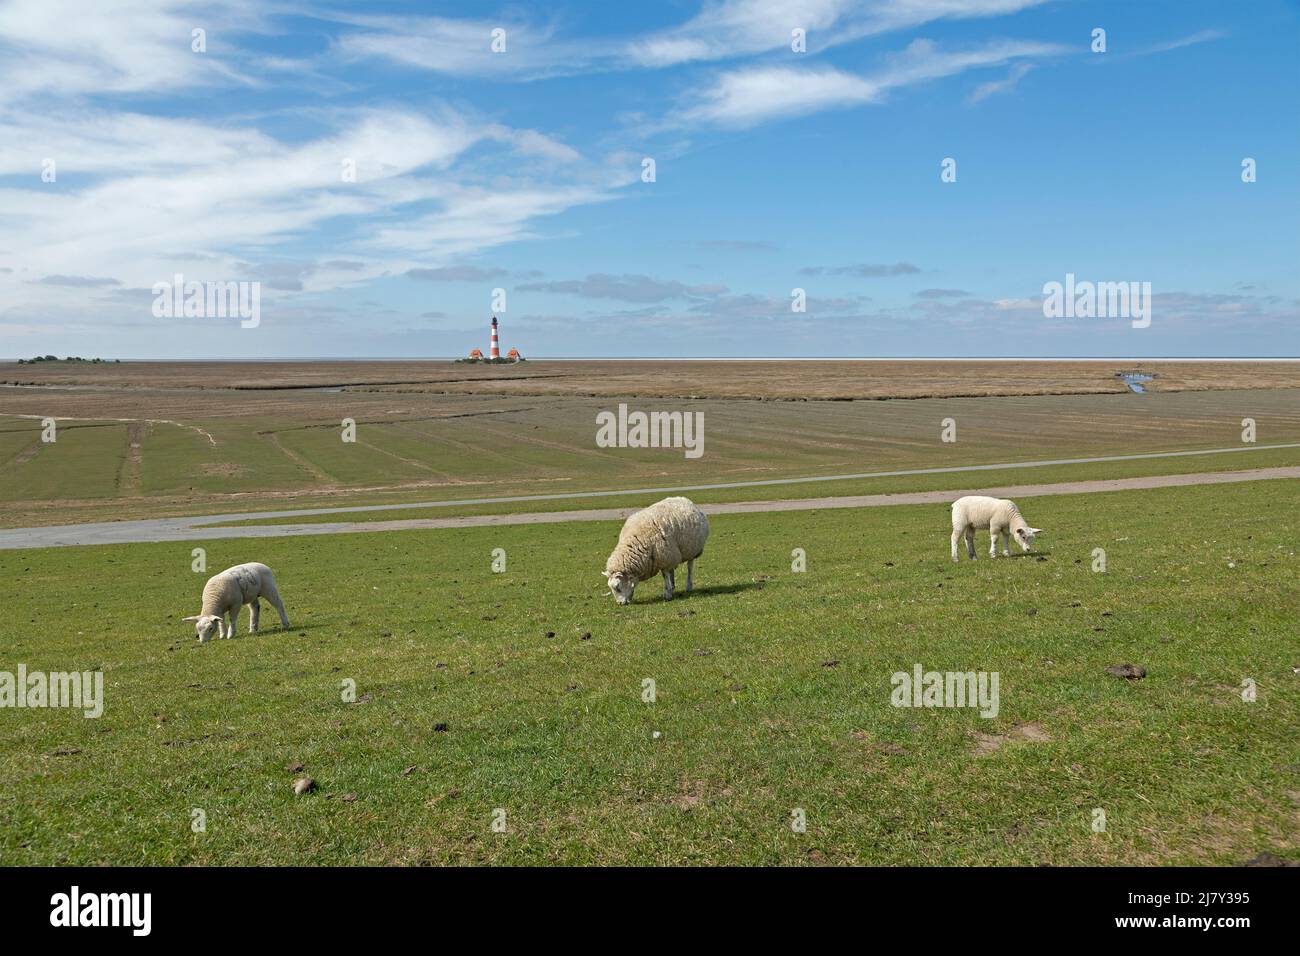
193 529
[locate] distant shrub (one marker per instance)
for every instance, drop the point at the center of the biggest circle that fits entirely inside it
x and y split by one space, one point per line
70 358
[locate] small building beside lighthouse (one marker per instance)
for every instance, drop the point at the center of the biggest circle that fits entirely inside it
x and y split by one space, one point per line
494 348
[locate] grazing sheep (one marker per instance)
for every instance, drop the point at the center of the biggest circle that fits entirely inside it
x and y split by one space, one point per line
999 515
228 592
655 540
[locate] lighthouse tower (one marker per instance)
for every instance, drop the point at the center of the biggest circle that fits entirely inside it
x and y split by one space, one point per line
495 350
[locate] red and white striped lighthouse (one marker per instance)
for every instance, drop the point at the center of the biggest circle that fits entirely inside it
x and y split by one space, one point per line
495 350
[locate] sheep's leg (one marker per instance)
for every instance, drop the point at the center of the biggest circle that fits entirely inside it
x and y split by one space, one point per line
255 611
668 585
1006 543
970 542
234 620
993 542
956 536
690 575
273 597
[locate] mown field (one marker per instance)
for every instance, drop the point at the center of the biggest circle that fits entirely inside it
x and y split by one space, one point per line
522 691
148 452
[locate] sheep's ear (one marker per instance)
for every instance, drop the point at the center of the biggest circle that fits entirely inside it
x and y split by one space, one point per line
1035 530
192 617
604 574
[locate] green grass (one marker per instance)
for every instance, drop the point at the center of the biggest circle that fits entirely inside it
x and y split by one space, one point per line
754 718
83 461
1233 461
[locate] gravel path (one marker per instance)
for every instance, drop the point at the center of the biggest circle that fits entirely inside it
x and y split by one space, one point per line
208 528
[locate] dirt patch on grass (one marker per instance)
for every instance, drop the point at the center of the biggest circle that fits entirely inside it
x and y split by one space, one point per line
25 455
878 746
691 793
128 475
220 470
988 743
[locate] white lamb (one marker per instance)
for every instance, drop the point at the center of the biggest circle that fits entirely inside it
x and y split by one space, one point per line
656 540
999 515
229 591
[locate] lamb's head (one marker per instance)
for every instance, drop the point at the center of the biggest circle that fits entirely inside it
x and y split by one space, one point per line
1026 535
621 585
205 625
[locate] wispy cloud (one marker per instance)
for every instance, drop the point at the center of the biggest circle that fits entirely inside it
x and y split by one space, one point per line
414 203
722 30
625 288
456 274
123 46
732 28
747 96
1014 76
78 282
464 47
1203 36
863 270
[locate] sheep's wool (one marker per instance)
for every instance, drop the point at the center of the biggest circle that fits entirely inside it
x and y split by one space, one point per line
659 538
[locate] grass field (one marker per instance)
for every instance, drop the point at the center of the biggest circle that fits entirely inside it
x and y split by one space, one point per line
149 442
522 692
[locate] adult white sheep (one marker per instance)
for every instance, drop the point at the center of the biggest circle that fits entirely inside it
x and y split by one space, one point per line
656 540
228 592
999 515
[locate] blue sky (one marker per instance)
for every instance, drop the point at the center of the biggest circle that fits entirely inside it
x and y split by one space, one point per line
775 170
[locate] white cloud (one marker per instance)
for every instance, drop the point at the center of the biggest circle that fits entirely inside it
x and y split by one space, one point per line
463 47
740 27
472 218
1014 76
117 46
748 96
745 97
1204 36
723 29
243 197
734 28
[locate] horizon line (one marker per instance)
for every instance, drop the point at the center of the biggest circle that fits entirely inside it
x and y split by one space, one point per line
668 358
